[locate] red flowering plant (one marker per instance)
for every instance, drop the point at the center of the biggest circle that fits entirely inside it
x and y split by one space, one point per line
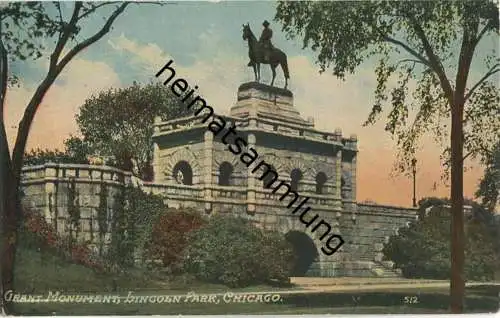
37 233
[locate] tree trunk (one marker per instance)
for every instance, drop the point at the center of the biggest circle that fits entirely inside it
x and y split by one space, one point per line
10 224
457 282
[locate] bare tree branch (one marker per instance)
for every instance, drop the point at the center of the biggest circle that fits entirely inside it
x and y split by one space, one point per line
421 58
58 6
65 34
24 125
465 58
410 60
494 69
97 7
434 62
482 33
467 155
84 44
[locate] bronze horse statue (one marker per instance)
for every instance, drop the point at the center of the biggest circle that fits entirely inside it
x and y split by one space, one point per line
256 55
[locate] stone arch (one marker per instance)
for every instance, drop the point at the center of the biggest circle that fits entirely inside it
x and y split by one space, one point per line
226 170
327 169
297 163
183 154
239 168
286 225
274 161
321 180
305 251
222 156
183 173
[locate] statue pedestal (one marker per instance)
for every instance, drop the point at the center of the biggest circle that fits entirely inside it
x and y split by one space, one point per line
261 100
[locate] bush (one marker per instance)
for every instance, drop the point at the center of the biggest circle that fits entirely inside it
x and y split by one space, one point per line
169 236
422 250
232 251
37 234
134 214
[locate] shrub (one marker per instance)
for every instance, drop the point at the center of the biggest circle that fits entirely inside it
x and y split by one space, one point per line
36 233
232 251
169 236
134 214
422 250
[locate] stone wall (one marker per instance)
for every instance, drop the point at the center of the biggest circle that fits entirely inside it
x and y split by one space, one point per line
367 228
364 227
46 188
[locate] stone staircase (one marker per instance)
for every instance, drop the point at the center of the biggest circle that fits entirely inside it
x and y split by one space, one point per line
384 269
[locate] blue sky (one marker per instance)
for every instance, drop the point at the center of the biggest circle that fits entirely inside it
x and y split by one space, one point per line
205 41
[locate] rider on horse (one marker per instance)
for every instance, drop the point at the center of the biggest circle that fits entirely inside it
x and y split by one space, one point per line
265 42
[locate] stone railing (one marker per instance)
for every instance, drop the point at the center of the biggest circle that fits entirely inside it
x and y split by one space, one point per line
233 193
264 124
376 209
50 172
188 122
177 191
292 129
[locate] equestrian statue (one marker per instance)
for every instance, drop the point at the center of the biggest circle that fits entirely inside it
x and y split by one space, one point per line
263 51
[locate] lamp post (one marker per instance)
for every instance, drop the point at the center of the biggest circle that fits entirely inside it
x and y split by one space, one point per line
414 171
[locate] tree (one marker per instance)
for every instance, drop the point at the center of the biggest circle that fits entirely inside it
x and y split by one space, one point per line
428 45
24 28
75 152
420 250
489 187
118 123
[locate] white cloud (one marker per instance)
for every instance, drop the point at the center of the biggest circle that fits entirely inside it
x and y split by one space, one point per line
54 120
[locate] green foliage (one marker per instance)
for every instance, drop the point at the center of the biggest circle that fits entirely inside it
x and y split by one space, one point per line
73 207
134 214
119 123
418 45
234 252
489 187
77 149
170 236
102 214
39 157
422 249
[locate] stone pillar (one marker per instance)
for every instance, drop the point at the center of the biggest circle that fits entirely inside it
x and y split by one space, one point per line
207 169
50 193
156 163
338 168
353 140
251 180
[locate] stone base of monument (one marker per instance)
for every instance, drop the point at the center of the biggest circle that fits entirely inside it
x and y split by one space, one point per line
261 100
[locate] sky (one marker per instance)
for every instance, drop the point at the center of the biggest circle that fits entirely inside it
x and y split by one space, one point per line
205 41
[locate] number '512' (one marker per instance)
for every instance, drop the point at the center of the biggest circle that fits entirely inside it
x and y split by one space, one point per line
410 300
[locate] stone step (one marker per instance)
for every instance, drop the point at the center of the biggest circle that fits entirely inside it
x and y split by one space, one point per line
381 270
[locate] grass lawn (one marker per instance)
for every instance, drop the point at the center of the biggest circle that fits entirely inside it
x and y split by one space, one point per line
35 275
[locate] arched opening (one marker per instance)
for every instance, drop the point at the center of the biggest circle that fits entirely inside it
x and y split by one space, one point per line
305 252
182 173
320 183
225 172
296 176
268 178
